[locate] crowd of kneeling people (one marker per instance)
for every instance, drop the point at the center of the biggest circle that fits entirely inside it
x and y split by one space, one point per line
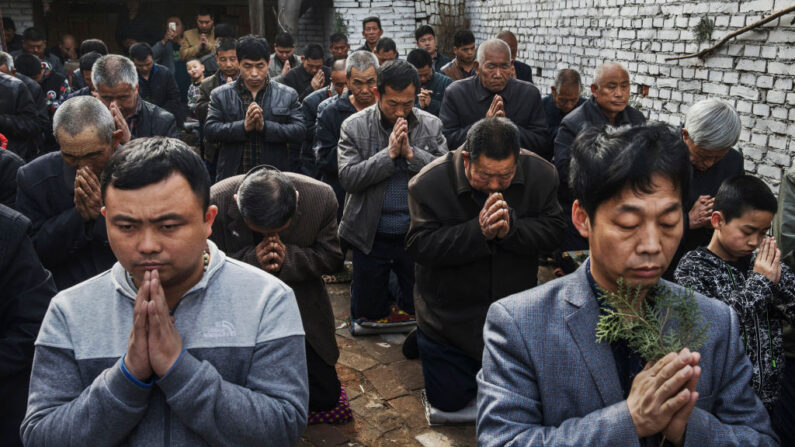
176 292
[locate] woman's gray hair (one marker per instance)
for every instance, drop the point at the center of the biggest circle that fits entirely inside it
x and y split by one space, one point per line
112 70
80 113
6 59
492 45
360 60
713 124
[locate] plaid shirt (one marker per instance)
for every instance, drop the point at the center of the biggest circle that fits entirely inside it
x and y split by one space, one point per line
255 145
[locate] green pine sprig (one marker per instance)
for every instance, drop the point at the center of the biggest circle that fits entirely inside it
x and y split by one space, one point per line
665 321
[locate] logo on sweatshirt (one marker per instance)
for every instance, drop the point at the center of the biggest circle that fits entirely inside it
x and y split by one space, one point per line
221 329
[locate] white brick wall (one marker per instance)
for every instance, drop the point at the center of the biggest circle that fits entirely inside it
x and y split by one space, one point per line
755 72
397 20
21 11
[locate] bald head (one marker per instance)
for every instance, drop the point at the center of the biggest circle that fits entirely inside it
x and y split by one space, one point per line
610 88
607 70
509 38
338 65
339 78
492 46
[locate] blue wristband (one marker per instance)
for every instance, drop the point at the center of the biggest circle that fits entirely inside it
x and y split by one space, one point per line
132 378
172 366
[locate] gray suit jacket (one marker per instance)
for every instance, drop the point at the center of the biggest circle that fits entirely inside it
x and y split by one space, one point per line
545 380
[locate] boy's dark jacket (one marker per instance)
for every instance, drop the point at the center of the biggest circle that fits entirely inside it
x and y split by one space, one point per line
760 305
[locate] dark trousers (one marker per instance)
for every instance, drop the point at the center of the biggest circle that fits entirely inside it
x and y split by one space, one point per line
324 385
449 374
370 297
783 414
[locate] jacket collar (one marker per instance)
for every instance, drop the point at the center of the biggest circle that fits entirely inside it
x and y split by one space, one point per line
581 322
482 94
125 287
621 118
240 85
411 118
459 171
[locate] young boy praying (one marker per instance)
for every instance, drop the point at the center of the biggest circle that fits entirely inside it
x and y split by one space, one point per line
758 286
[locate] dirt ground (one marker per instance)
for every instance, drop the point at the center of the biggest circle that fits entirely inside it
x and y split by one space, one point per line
384 391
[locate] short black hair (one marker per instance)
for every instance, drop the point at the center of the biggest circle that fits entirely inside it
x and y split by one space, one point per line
33 35
225 44
87 61
397 75
28 64
313 51
420 58
145 161
338 37
423 30
386 44
96 45
284 40
223 30
266 198
205 12
253 48
606 160
497 138
8 23
463 37
367 20
743 193
139 51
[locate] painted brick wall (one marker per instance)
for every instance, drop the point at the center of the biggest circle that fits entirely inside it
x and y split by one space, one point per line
21 11
755 73
397 20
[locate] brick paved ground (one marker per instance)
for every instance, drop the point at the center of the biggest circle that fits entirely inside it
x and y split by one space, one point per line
384 390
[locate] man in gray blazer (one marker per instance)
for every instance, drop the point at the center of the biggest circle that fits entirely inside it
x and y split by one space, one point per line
546 381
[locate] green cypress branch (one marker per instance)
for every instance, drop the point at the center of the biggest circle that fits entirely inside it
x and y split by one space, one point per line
665 321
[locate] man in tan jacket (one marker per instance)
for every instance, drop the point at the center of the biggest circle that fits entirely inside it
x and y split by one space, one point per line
199 41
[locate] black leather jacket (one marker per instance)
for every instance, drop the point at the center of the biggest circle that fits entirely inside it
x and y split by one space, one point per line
153 121
225 125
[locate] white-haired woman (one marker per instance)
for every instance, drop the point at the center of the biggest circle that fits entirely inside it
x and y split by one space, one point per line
711 129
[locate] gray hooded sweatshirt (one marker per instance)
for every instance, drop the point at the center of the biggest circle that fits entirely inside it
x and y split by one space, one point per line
241 380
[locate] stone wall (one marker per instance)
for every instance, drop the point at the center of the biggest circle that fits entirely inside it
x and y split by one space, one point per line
754 72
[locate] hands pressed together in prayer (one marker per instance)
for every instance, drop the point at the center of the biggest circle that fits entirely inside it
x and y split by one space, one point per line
399 141
204 44
254 119
494 218
663 396
88 195
155 344
497 107
286 67
701 213
120 123
424 98
271 253
768 260
318 80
